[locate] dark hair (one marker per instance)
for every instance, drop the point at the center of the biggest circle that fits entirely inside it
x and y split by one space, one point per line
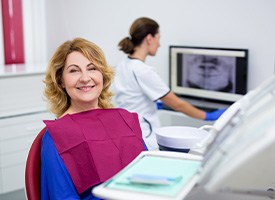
140 28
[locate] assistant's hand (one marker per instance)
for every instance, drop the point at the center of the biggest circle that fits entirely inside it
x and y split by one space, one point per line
210 116
159 104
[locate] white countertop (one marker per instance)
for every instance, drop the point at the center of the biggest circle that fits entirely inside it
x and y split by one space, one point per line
22 69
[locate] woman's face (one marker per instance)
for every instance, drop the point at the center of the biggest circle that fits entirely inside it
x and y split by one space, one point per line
82 81
154 45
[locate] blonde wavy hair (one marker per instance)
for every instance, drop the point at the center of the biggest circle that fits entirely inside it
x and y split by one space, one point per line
56 96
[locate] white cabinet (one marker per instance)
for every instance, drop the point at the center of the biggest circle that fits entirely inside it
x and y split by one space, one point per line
16 136
22 109
21 93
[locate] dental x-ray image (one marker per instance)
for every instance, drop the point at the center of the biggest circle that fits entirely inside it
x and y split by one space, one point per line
209 72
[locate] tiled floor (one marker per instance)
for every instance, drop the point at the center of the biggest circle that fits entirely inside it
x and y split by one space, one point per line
16 195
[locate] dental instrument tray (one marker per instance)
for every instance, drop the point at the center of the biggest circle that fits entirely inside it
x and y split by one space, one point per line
153 174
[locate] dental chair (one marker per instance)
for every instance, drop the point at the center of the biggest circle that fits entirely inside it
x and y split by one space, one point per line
33 168
237 157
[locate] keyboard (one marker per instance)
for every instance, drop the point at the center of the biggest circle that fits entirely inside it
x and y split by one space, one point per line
204 108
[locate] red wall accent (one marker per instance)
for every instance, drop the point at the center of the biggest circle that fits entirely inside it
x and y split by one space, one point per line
13 31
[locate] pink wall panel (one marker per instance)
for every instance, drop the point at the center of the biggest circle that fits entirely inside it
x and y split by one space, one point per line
13 31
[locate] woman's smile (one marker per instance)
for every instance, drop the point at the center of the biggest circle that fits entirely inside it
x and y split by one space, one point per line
86 88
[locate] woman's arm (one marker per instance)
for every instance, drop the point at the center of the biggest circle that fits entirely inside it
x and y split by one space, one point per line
56 182
174 102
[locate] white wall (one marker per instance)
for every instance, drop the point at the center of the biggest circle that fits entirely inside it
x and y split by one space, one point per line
34 24
216 23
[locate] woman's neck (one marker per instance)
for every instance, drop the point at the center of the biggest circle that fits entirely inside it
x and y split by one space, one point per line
139 54
78 109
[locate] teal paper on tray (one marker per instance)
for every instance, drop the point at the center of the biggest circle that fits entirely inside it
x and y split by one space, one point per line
156 166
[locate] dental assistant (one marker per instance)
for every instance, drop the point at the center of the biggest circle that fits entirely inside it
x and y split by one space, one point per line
138 86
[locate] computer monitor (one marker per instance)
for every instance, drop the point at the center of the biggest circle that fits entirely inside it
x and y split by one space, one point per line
207 73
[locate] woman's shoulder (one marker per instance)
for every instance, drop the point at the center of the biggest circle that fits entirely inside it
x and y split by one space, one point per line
142 67
47 141
138 67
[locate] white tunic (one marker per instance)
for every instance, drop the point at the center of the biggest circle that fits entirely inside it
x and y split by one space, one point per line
137 87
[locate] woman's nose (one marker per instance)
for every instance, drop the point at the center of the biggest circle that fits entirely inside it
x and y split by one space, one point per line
85 76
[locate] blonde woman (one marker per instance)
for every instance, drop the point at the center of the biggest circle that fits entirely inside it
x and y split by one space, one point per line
89 141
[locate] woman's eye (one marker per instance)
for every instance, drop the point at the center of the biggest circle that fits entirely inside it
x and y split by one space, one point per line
92 68
73 70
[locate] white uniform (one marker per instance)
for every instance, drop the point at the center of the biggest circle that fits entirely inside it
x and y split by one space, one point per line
137 87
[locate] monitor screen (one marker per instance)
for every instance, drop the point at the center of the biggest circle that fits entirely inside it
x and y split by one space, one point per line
206 73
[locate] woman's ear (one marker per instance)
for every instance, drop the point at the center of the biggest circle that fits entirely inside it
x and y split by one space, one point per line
149 38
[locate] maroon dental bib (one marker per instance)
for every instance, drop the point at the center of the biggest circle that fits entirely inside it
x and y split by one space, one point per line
96 144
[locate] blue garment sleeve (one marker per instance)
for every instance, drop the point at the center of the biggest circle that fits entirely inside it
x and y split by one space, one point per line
145 147
56 182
